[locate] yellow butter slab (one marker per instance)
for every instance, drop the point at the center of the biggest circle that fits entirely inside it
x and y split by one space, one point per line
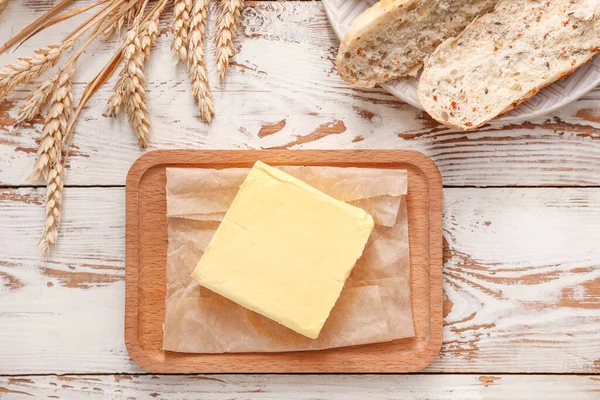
284 250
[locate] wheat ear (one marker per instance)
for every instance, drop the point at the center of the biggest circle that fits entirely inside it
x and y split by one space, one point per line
49 162
147 38
227 24
29 68
196 62
129 89
181 22
121 88
113 105
3 4
49 151
137 110
36 100
54 189
150 30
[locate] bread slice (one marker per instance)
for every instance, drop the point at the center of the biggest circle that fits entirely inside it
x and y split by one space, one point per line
507 56
393 37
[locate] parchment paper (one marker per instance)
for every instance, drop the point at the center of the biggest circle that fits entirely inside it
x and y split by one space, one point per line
374 305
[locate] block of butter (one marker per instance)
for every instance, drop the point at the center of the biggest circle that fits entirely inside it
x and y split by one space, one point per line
284 250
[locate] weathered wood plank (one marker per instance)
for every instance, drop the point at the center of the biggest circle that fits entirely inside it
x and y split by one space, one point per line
522 283
69 311
521 279
283 92
303 387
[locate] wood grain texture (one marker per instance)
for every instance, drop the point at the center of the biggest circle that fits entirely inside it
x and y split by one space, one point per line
522 274
528 260
521 282
146 254
283 92
67 312
302 387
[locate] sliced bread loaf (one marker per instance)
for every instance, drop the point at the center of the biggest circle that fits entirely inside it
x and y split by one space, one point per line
507 56
392 38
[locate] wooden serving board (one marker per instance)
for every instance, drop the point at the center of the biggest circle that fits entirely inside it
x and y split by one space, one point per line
146 254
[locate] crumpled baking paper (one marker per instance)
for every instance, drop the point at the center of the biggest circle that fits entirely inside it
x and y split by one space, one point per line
374 305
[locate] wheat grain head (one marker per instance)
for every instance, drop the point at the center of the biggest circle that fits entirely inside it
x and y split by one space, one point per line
49 150
54 190
29 68
196 63
181 22
33 104
50 162
227 24
129 89
134 94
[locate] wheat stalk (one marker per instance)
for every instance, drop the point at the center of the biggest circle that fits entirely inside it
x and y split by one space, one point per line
3 4
29 68
196 63
50 148
54 189
227 24
181 22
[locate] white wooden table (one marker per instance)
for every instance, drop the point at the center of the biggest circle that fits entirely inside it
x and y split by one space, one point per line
521 226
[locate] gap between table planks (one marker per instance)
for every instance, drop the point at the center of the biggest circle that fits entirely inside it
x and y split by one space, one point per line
305 387
283 92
